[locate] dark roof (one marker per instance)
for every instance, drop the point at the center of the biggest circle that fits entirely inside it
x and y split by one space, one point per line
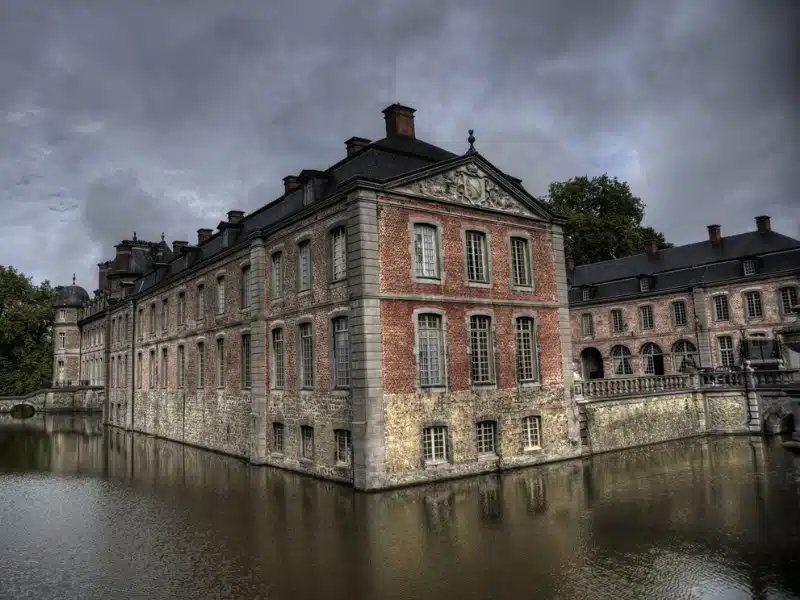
686 266
71 296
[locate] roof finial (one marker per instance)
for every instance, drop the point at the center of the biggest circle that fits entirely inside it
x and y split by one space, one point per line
471 140
134 236
162 236
73 279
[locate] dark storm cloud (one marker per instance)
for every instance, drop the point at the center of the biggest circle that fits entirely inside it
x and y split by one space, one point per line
161 116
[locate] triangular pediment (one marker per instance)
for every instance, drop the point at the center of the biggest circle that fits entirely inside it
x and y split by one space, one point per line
471 183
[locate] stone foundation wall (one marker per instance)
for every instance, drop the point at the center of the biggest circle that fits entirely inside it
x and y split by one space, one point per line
58 400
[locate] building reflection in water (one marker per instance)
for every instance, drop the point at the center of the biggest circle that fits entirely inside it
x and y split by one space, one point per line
714 516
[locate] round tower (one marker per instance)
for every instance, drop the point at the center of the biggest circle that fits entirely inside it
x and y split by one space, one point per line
67 335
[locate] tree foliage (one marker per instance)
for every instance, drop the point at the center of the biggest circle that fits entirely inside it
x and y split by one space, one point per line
604 219
26 324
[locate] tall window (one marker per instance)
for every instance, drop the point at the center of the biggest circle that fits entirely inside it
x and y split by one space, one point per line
426 251
431 350
62 340
788 297
139 375
531 430
722 311
151 381
653 359
621 358
277 357
684 355
646 320
182 308
678 313
152 319
343 447
244 288
220 294
125 329
307 441
526 350
477 260
164 314
112 374
245 367
304 266
726 356
220 362
277 437
140 325
617 323
164 367
434 444
124 378
341 352
752 305
181 366
480 349
520 262
201 365
587 325
485 437
201 301
338 254
276 275
62 315
306 357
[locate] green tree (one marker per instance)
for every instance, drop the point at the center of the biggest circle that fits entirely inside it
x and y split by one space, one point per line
26 324
604 219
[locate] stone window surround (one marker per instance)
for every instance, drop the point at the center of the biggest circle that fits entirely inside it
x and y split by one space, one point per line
674 301
197 341
445 354
742 294
305 421
412 222
483 312
302 320
270 253
530 314
590 335
335 429
717 338
245 264
779 297
611 331
522 416
482 418
243 332
222 335
200 290
639 308
278 419
331 316
712 299
220 276
273 325
518 233
448 444
488 238
330 227
306 236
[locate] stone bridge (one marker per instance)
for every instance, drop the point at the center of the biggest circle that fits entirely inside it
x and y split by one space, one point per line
57 399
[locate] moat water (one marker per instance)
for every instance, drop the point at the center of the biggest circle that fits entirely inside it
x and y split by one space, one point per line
91 512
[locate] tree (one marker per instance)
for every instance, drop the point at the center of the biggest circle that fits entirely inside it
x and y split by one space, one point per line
604 219
26 324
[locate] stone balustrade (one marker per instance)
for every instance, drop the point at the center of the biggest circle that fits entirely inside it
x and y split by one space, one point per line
780 378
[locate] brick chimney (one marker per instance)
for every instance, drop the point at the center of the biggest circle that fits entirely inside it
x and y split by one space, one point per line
570 264
177 246
762 224
290 184
651 246
235 216
714 234
399 120
203 235
356 144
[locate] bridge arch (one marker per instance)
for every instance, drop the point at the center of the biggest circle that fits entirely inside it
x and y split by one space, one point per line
23 410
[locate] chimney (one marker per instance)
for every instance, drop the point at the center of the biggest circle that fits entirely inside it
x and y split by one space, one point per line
290 184
177 246
203 235
356 144
399 120
652 248
762 224
235 216
714 235
570 264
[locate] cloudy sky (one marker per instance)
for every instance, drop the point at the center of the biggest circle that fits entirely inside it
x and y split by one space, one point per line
157 116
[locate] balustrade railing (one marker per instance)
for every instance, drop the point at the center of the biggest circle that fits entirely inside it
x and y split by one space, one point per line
778 378
722 379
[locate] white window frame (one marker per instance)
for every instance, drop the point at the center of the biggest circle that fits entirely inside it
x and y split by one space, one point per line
532 432
338 246
722 308
304 270
521 269
343 447
486 437
752 301
725 351
305 347
434 444
276 275
749 267
426 253
586 294
220 294
526 350
481 355
674 311
307 442
614 313
785 295
622 360
647 317
341 352
476 246
587 325
430 350
278 358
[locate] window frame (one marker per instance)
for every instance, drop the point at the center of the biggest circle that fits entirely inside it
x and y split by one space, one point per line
164 372
646 311
721 356
337 272
219 363
474 318
435 437
245 284
201 301
758 303
305 261
534 349
278 437
486 438
527 254
305 360
276 272
343 441
749 267
438 277
341 375
246 360
612 314
624 359
221 294
682 355
307 442
587 332
467 233
201 365
528 432
180 365
278 366
422 338
718 301
786 310
152 375
673 310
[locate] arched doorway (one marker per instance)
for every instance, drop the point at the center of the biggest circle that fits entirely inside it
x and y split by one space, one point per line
591 363
652 359
684 355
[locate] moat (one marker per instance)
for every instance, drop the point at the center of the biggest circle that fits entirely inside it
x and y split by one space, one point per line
93 512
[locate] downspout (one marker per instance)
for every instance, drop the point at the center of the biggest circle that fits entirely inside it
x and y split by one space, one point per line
134 362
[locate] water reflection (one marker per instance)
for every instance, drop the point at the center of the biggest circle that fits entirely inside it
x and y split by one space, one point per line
95 512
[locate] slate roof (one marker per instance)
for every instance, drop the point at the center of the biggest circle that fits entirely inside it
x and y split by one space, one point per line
71 296
686 266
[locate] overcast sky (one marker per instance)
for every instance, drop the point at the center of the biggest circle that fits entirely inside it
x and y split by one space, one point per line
158 115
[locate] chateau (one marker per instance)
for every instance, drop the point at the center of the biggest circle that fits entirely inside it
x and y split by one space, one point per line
399 317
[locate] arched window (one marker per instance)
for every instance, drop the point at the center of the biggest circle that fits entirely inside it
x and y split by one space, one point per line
684 355
621 357
653 359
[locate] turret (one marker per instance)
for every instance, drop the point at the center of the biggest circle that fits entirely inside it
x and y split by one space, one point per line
66 334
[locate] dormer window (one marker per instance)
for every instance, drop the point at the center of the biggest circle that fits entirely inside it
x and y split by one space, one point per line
586 294
645 284
226 238
308 193
749 266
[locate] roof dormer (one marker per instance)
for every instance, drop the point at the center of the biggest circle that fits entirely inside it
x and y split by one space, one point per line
646 283
750 265
588 292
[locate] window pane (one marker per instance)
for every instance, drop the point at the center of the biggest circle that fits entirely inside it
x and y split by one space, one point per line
277 356
525 350
430 350
480 355
520 266
306 357
531 430
304 266
476 256
485 437
338 254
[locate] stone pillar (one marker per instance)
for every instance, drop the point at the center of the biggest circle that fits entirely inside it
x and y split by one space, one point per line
258 353
369 422
565 336
699 317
